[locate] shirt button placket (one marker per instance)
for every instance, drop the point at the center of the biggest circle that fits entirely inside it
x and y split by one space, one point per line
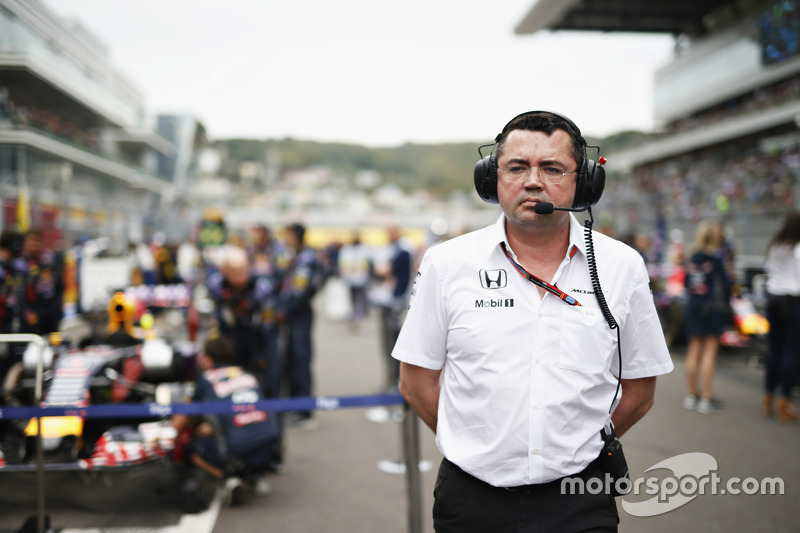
536 420
538 389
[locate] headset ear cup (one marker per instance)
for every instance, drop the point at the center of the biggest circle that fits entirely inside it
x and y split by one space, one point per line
580 186
598 182
485 178
589 185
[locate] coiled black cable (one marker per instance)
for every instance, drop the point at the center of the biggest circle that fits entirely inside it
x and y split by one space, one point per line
598 291
601 298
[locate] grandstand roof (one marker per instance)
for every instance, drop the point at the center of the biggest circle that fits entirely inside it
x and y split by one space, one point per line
650 16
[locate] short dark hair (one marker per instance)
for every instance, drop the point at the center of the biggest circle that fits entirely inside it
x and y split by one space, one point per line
299 230
7 240
221 350
11 240
547 123
35 232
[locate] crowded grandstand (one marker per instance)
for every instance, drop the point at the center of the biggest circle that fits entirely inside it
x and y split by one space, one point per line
726 105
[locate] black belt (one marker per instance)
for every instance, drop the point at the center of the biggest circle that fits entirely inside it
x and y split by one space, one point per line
592 468
785 296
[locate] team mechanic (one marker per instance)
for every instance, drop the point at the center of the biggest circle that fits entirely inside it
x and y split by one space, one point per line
530 371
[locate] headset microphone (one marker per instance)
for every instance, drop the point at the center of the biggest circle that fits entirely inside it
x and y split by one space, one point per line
546 208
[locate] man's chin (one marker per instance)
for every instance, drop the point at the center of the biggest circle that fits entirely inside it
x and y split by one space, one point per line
527 217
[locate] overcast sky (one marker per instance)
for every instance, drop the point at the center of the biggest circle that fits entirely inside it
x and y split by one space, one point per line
370 72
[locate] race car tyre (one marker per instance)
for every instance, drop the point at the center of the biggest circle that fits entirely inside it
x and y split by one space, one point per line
12 444
196 493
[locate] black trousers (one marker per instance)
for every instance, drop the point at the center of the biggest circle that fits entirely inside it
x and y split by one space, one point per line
465 504
783 355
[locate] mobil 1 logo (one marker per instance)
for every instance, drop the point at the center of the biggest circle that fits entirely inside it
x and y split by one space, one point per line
494 303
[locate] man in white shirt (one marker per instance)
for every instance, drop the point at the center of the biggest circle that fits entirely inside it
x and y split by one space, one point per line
515 373
355 267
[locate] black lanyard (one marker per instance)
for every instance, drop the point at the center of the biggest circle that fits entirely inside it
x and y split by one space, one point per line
552 289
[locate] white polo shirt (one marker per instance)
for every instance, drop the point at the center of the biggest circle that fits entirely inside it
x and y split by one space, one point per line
783 270
527 381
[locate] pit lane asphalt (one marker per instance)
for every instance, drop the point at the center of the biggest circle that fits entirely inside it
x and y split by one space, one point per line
333 484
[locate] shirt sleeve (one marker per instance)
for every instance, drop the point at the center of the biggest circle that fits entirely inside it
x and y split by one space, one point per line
423 337
797 261
644 348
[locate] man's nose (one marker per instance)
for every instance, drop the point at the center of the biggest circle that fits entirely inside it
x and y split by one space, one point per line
534 179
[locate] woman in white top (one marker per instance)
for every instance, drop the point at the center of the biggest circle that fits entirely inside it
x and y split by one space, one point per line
783 313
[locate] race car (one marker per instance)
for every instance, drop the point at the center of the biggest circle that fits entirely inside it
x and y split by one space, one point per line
130 366
751 327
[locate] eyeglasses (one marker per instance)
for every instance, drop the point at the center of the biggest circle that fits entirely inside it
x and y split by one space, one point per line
516 173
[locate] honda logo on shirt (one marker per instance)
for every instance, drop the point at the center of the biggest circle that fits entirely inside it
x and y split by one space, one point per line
493 279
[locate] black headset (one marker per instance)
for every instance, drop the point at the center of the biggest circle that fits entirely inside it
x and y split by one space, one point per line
591 176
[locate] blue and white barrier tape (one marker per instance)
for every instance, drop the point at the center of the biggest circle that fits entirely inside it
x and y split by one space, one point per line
138 410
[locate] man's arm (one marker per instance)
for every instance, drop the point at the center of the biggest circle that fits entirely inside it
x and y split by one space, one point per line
637 398
420 387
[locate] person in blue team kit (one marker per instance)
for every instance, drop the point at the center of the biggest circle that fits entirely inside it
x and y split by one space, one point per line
230 446
709 292
45 285
302 279
13 281
13 301
245 306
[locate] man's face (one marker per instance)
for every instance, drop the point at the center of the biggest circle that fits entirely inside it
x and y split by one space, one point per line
261 237
32 247
237 274
530 149
291 240
393 233
205 362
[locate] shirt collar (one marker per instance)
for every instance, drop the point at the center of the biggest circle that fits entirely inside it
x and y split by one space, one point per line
576 236
497 234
